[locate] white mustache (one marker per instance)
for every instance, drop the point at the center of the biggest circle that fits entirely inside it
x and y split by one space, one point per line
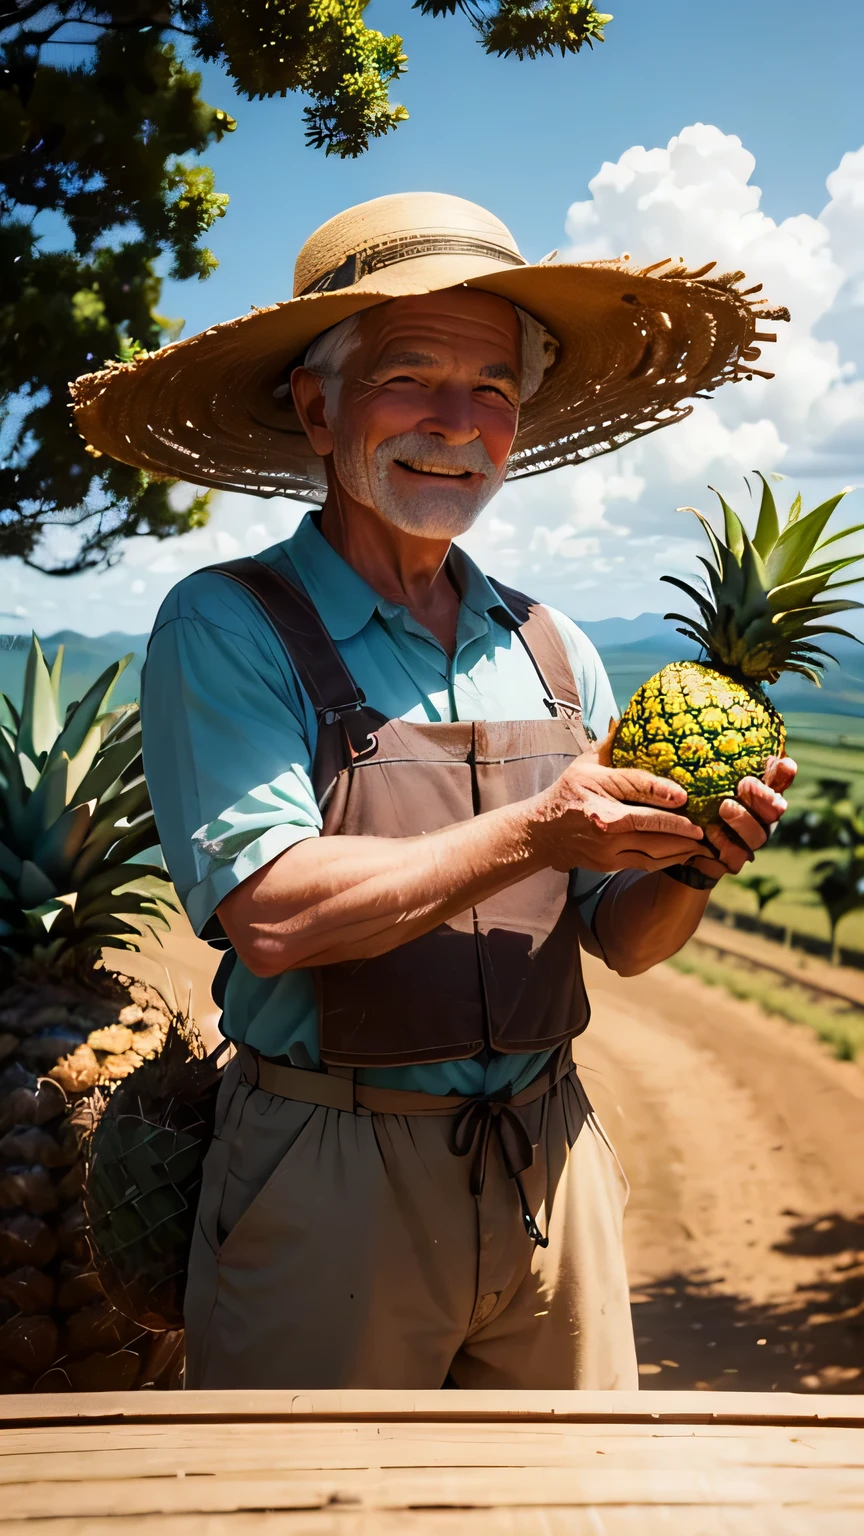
432 457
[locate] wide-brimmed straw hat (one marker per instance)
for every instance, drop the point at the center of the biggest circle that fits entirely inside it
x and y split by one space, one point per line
635 344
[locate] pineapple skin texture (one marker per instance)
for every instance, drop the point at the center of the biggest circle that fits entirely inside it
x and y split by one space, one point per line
701 728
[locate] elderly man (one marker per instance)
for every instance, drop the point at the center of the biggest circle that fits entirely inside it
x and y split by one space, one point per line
375 775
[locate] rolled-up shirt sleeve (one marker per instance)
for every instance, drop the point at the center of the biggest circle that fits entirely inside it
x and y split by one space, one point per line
227 743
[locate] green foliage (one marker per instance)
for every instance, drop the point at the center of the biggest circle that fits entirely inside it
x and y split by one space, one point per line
546 26
74 814
840 1026
764 887
840 887
760 614
830 822
97 147
321 47
101 122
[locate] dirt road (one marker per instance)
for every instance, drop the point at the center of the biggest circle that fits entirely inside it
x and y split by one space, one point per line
744 1144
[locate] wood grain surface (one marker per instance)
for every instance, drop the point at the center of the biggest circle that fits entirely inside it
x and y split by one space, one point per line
432 1464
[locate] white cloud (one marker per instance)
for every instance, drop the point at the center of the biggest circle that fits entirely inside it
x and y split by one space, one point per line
595 539
694 200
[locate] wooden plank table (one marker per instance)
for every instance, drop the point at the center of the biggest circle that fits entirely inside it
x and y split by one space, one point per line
432 1464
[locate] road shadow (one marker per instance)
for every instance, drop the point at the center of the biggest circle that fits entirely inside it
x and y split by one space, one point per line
691 1334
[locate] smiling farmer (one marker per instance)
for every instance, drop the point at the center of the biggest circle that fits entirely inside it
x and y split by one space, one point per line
373 770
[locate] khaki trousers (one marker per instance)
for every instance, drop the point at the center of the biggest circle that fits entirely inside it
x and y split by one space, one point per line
347 1250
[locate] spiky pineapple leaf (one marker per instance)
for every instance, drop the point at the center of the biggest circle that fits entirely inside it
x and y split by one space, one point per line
804 670
77 798
138 839
107 771
47 802
801 591
793 620
699 598
733 526
112 878
34 887
709 531
29 771
40 722
55 674
798 541
763 595
695 631
147 887
94 703
843 534
754 582
10 863
768 525
13 790
58 847
10 720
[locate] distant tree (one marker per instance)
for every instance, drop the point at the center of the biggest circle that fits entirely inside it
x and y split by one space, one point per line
764 887
833 791
101 124
840 888
824 823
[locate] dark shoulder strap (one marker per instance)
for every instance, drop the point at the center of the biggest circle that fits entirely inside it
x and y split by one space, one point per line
296 620
539 634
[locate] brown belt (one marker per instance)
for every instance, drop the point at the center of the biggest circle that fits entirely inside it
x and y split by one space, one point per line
338 1088
475 1118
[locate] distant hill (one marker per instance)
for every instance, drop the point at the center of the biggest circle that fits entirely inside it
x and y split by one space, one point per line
630 661
607 633
84 657
632 650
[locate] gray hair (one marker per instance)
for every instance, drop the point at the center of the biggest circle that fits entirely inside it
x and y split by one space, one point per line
330 351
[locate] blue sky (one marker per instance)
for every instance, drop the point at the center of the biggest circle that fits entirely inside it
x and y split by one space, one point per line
524 138
745 112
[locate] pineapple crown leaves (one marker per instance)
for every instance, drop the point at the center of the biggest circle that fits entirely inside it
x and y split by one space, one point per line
74 815
759 611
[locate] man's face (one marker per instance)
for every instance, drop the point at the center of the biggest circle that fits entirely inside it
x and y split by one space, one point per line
427 411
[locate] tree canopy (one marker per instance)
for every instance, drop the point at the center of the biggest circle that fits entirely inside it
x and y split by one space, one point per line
101 128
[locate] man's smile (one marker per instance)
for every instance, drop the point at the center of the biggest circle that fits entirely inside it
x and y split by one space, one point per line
423 469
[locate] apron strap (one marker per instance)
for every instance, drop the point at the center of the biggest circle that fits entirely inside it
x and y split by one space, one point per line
321 670
542 640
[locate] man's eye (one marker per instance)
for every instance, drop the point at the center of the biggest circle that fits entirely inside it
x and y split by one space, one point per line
490 389
402 378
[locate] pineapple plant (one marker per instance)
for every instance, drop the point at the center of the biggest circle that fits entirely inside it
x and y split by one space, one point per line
709 723
74 815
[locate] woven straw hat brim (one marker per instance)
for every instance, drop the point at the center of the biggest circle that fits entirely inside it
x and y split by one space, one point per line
634 347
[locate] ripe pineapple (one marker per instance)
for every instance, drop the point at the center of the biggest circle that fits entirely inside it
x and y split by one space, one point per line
74 811
707 724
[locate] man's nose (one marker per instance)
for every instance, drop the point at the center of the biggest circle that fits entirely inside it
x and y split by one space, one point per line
452 416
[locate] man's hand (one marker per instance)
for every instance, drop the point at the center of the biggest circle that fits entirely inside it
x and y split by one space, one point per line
608 819
749 818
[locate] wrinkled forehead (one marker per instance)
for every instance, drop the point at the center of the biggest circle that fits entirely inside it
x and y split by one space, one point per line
457 324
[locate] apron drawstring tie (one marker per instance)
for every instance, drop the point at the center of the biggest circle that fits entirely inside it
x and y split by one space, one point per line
475 1123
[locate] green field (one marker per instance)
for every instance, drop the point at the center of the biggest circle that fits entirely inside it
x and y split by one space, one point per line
824 746
840 1025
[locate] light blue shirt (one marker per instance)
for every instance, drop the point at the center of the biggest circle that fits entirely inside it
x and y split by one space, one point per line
229 741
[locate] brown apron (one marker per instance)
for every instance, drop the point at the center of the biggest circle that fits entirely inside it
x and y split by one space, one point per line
505 974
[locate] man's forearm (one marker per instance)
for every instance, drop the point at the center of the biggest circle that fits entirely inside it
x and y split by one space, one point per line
642 919
346 898
332 899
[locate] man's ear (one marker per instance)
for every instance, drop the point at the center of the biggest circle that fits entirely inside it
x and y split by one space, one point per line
310 406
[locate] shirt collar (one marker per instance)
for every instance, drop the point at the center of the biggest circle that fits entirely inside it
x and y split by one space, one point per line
346 602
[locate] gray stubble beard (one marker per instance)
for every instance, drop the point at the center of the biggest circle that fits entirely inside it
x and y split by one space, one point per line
433 512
